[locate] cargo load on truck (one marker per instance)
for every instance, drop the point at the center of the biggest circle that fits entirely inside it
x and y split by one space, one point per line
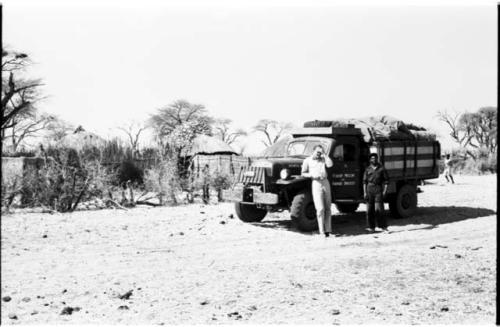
379 128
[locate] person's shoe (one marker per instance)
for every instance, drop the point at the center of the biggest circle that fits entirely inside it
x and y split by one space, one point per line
385 230
327 234
371 230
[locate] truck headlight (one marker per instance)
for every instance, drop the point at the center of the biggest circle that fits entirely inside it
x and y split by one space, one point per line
284 173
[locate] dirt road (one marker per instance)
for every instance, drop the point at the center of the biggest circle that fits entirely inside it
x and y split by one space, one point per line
196 264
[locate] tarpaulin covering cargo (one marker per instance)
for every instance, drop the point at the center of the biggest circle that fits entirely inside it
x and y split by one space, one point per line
379 128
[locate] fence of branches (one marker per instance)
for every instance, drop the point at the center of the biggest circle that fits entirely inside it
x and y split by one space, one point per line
64 179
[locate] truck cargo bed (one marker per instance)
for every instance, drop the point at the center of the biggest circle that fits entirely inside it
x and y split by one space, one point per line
409 159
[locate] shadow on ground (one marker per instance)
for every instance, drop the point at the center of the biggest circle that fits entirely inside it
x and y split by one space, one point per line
355 223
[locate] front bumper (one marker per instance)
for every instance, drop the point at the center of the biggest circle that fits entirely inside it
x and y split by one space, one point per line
250 195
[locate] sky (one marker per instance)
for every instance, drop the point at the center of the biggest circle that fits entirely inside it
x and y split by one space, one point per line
107 63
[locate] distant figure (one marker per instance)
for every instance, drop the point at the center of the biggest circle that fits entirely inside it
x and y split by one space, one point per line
205 172
448 165
375 182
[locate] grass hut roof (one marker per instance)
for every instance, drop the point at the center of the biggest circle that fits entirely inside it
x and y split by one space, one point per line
81 138
204 144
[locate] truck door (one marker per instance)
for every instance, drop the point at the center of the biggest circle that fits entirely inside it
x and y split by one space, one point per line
346 172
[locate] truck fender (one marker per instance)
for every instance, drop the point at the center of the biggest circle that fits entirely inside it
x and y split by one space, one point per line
291 187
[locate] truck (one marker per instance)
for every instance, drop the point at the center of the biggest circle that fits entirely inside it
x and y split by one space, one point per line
274 184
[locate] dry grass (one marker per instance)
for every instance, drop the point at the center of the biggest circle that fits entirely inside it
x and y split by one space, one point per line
184 265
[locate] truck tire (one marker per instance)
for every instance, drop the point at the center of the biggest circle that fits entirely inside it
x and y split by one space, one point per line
404 203
347 207
249 213
303 212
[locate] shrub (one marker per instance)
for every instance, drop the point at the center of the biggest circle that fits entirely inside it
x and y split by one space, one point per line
164 180
478 166
66 178
220 181
60 183
129 171
11 187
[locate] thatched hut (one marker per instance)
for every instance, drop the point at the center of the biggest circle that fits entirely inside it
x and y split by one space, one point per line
81 138
219 156
208 145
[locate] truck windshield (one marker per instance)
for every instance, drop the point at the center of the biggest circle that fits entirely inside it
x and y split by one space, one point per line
304 148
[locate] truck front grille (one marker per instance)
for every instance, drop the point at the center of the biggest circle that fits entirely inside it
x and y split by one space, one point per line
252 175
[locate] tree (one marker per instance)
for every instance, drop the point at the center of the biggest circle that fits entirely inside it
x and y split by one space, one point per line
457 132
19 94
28 127
272 130
178 113
133 131
57 129
484 128
223 130
473 131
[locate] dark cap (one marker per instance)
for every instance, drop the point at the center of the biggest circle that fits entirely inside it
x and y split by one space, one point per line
373 155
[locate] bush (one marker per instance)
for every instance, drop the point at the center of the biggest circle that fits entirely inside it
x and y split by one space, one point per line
220 181
128 171
66 178
479 166
60 183
164 180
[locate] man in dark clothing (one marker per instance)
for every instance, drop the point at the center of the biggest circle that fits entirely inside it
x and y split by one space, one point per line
205 178
375 181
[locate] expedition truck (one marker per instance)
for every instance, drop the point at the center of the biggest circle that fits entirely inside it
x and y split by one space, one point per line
275 183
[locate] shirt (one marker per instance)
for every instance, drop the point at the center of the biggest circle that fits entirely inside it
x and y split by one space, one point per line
316 167
377 175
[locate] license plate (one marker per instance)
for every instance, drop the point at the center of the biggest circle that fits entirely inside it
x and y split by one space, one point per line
249 174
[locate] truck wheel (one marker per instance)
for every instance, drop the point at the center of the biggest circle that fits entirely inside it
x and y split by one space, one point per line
404 204
249 213
303 212
347 207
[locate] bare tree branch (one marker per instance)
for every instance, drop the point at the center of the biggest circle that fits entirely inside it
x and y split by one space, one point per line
19 95
224 131
133 131
272 130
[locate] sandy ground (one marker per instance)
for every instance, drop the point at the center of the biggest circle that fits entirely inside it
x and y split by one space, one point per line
196 264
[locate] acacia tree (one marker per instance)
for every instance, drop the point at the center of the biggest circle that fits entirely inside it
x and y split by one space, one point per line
272 130
19 93
175 127
484 128
473 131
222 127
178 113
57 129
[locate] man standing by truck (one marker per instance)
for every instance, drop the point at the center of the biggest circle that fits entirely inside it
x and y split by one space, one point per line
375 181
315 168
